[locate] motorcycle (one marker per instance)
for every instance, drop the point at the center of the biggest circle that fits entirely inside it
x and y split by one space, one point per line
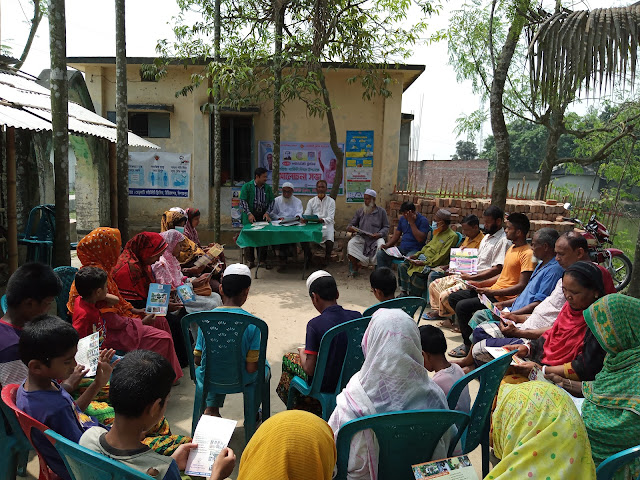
613 259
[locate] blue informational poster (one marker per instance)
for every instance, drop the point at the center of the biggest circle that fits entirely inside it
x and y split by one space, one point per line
158 299
159 174
359 162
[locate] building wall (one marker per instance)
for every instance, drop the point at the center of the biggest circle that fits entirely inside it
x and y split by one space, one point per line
448 173
190 133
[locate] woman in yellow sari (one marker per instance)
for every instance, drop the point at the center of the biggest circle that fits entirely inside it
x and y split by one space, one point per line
538 433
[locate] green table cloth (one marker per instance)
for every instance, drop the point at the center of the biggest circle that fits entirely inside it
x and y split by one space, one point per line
276 235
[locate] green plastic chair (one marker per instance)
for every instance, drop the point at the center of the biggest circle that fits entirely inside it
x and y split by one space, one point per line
477 432
67 275
410 305
225 371
3 304
85 464
14 446
353 360
460 239
607 469
404 438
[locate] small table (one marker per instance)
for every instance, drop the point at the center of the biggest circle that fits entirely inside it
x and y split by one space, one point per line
277 235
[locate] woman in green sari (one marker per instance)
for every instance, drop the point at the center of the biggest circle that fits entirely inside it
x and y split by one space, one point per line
611 411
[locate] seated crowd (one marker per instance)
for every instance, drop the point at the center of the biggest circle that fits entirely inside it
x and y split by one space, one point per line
574 338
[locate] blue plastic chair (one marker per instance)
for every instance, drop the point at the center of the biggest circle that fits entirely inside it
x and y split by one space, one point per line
3 304
477 432
85 464
67 275
14 446
460 239
410 305
353 360
225 370
607 469
404 438
40 242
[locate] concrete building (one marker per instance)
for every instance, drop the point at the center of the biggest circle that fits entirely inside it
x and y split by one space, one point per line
178 125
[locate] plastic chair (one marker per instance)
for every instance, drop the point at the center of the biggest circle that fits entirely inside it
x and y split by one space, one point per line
225 370
410 305
607 469
40 243
85 464
3 304
14 446
28 425
477 432
460 239
353 360
404 438
67 275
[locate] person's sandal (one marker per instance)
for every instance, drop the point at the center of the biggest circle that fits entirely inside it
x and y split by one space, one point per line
432 315
460 351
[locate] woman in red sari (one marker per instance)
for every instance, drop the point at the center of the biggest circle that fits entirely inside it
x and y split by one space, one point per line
101 248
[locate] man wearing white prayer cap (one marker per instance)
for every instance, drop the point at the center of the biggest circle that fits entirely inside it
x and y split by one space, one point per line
324 207
234 290
370 226
286 206
324 295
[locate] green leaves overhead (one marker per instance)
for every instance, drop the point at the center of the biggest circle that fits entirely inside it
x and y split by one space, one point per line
570 51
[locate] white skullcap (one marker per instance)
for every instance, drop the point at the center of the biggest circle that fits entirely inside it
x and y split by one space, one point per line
370 192
314 276
178 209
287 185
237 269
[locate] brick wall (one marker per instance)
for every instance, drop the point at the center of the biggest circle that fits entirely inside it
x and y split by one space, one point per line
435 173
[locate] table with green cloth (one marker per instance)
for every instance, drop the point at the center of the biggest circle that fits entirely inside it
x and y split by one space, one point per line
268 235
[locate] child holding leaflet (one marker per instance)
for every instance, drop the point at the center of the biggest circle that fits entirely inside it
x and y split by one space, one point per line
140 388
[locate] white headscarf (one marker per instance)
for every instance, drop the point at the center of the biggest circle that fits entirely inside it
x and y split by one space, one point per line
392 379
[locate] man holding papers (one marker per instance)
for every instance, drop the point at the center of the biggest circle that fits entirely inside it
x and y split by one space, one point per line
286 206
371 225
412 231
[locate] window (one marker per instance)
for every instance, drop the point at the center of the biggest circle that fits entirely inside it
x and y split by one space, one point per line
237 132
147 124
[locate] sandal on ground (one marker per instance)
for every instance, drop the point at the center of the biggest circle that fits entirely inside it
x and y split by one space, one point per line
432 315
460 351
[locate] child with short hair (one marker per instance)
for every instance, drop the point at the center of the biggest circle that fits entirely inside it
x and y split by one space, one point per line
383 284
31 291
234 290
434 346
47 347
140 388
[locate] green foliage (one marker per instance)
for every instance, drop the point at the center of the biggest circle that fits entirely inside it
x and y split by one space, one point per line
465 150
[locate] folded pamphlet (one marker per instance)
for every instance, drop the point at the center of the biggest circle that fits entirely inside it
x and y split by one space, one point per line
158 299
88 353
453 468
212 435
394 252
497 352
185 293
464 261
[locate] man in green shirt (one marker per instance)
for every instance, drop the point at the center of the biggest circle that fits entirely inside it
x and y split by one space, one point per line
256 199
413 273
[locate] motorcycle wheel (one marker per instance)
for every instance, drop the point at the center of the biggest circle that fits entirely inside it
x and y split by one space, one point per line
621 271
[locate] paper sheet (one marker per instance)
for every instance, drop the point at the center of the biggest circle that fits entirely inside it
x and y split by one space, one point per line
454 468
88 352
464 261
394 252
212 435
497 352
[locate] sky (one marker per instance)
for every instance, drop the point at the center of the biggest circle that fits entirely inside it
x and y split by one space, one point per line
435 98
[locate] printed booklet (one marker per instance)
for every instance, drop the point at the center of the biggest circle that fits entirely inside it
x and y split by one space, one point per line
464 261
158 299
88 352
212 435
454 468
185 293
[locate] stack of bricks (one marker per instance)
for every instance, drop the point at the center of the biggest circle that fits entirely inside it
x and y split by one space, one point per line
541 214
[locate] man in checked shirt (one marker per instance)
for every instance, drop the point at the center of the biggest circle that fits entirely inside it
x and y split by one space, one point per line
256 199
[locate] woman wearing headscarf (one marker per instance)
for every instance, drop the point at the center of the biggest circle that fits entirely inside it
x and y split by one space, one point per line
193 219
611 410
538 433
291 445
392 379
189 250
101 248
568 348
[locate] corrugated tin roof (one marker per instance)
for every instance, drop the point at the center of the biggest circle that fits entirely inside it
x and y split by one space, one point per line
26 104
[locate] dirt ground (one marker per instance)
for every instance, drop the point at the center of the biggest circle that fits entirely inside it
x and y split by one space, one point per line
281 300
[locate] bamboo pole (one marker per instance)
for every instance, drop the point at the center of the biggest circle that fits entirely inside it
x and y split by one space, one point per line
12 207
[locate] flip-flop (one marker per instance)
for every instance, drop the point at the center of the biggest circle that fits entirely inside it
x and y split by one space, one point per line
431 316
460 351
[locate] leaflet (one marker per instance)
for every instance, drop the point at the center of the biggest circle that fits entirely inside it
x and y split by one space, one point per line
454 468
212 435
158 299
394 252
88 353
497 352
186 293
464 261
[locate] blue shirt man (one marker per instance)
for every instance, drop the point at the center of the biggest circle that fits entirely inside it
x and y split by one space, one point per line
412 231
541 284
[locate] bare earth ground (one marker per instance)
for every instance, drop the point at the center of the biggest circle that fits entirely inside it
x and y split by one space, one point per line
281 300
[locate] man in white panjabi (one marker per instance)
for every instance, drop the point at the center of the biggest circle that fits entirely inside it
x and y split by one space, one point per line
286 206
324 207
370 226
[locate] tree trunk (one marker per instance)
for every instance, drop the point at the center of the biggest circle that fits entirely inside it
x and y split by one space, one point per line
278 15
550 160
122 143
60 127
634 285
35 22
217 132
333 137
498 124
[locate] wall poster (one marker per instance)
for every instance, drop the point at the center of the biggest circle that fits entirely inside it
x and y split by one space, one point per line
159 174
359 160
